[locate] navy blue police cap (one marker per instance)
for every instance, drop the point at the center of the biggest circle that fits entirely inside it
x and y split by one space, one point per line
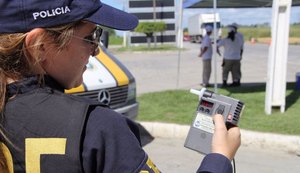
18 16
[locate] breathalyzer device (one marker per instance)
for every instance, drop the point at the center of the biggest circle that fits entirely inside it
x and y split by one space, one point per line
200 135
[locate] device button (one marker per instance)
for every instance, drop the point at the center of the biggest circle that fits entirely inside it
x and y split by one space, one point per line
229 117
201 109
220 109
207 111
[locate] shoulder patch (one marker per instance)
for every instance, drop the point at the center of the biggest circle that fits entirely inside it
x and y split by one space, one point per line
149 167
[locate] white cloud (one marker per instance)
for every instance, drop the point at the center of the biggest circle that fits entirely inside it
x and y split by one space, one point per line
244 16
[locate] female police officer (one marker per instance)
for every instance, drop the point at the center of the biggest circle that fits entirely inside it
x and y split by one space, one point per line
44 48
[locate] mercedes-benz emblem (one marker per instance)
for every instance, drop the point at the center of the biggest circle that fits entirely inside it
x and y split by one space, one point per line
104 97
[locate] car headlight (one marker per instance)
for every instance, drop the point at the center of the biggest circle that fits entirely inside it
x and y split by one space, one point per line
131 91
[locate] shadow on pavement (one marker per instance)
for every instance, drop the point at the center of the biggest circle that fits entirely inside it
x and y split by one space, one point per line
292 97
146 137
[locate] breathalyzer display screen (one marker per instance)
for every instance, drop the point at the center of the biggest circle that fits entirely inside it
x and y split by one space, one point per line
206 104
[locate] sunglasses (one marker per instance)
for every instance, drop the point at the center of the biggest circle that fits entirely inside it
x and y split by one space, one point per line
94 37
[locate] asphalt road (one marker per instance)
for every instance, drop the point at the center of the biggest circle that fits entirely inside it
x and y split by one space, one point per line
158 71
171 156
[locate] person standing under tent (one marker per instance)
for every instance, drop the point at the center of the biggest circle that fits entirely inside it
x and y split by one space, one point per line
232 57
241 37
206 55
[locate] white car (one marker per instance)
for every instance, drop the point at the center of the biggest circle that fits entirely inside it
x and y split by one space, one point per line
109 82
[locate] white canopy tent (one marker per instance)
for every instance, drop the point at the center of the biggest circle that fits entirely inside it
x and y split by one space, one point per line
278 51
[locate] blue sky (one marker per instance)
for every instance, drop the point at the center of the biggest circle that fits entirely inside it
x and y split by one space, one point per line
241 16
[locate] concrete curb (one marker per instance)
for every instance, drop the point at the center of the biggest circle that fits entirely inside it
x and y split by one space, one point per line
285 143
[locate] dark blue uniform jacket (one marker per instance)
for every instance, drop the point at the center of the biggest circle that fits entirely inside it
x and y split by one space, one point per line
109 142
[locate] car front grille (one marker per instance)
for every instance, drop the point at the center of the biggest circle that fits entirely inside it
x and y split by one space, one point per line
118 95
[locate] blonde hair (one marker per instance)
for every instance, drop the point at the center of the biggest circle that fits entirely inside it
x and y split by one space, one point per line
5 167
16 62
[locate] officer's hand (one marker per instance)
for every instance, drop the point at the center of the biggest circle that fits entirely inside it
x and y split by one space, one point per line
225 142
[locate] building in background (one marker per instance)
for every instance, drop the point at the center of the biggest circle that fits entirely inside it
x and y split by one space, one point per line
164 10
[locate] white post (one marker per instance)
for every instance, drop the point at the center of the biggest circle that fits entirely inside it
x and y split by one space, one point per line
179 25
154 20
215 48
124 39
278 52
126 34
179 39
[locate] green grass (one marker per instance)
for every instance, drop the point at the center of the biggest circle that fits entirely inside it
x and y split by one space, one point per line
179 106
251 32
115 40
262 31
295 30
159 47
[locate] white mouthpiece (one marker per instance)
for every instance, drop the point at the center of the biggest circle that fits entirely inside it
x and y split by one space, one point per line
197 92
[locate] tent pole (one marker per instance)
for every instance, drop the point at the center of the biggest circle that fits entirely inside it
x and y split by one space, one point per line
215 48
179 40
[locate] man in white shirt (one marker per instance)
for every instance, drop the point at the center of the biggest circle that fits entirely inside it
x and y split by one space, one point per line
206 54
232 45
241 37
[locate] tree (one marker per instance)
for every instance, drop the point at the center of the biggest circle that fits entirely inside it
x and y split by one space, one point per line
149 28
